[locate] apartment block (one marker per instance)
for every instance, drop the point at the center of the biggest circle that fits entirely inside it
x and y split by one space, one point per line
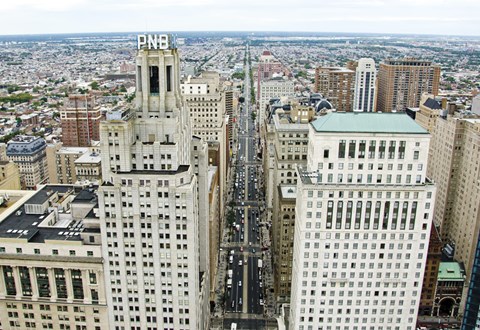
52 274
365 85
363 218
80 118
337 85
153 207
268 65
28 152
401 83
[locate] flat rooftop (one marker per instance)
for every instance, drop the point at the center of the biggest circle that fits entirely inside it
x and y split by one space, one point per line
288 192
15 223
367 122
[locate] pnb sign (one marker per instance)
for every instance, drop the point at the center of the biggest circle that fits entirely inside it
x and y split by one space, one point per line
156 41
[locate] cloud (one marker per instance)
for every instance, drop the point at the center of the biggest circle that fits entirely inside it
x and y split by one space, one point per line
43 5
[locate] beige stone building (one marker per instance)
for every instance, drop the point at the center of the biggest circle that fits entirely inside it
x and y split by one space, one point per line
9 176
402 82
453 164
88 167
337 85
208 102
287 142
50 260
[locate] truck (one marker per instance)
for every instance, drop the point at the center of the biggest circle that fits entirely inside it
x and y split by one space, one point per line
230 273
260 264
229 283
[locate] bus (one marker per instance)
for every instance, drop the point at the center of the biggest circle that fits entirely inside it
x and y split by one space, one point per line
234 326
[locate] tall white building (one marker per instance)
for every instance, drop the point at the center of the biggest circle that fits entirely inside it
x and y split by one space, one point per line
153 209
363 215
365 85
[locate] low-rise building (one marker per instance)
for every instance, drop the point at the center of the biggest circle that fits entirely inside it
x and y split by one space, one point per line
448 295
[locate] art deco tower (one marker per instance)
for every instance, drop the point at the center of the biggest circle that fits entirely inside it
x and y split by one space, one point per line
152 208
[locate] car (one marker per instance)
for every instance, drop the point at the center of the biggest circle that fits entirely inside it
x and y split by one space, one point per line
232 252
241 248
243 221
253 228
240 262
243 203
243 229
233 303
240 301
253 251
241 237
260 295
239 283
261 302
260 284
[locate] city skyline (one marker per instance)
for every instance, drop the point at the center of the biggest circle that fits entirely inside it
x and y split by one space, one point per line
369 16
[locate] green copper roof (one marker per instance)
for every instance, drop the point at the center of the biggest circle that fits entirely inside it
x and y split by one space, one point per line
450 271
367 122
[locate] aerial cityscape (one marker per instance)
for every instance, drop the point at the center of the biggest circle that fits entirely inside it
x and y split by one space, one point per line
225 177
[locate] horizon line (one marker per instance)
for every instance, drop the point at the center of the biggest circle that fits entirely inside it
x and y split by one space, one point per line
245 31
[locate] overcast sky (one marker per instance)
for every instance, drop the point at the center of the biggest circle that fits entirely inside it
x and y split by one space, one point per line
457 17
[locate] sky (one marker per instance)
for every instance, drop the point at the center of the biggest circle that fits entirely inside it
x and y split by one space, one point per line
459 17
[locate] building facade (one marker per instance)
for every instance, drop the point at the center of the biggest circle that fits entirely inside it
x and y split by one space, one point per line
457 208
80 118
51 270
207 101
365 85
432 266
268 65
9 176
337 85
88 167
29 153
290 140
273 88
153 208
363 219
402 82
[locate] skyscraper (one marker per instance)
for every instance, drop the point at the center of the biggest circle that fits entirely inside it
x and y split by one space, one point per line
80 117
337 85
365 80
362 223
153 208
401 83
